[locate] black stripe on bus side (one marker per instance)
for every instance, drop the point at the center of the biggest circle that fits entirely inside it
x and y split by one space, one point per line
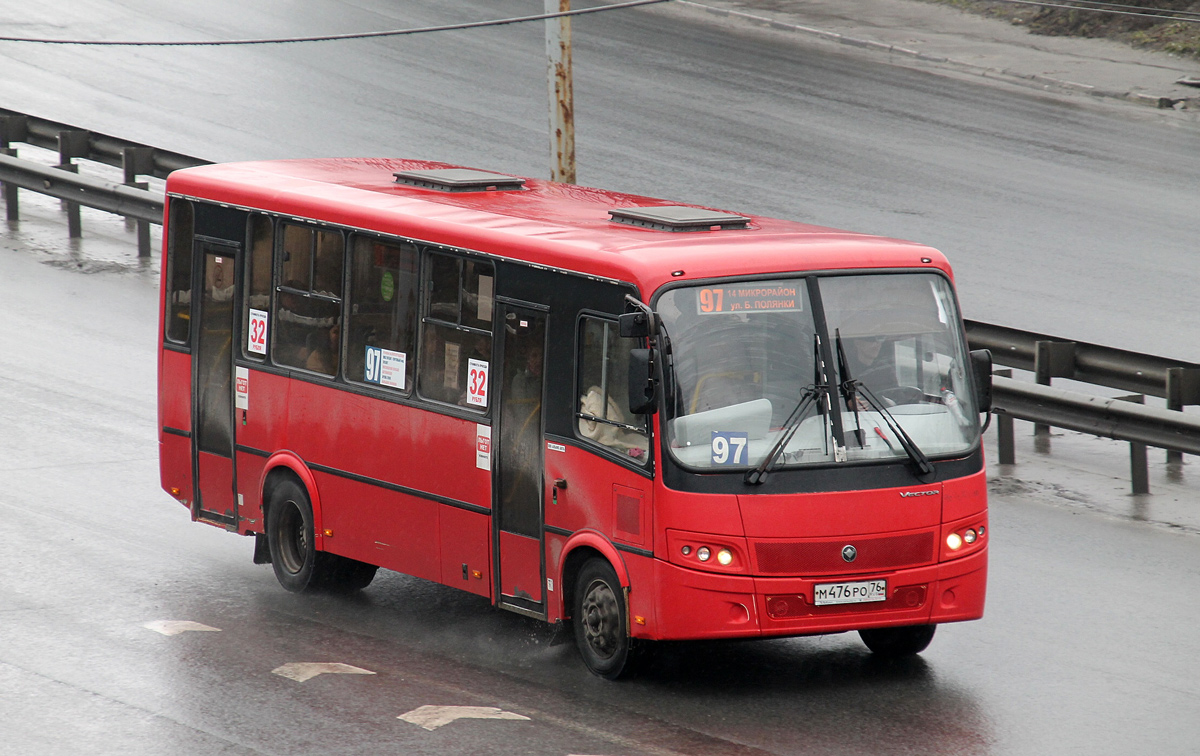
380 483
176 431
618 546
402 489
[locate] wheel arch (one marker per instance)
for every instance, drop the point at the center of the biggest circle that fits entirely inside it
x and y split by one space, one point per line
286 464
580 547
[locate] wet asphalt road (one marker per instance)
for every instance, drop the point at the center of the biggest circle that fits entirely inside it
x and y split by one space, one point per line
1088 645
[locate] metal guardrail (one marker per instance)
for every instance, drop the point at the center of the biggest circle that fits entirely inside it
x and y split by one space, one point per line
74 142
1048 357
109 196
130 198
1051 357
1118 418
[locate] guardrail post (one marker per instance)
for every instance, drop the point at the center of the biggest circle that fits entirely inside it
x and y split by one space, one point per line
1005 441
72 144
10 190
1183 388
13 128
1051 359
1139 468
139 160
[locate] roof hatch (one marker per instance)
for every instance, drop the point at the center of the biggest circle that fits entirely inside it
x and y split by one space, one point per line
678 218
459 180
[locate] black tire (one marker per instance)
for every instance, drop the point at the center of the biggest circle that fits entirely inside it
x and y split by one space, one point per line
291 538
345 575
299 567
600 621
894 642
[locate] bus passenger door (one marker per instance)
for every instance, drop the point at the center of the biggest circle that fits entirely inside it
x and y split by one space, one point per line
517 487
213 381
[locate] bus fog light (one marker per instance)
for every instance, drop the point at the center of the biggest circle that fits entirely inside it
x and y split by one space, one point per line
954 541
724 557
703 553
969 536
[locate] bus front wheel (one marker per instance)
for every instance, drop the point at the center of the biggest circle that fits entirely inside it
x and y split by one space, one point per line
600 621
892 642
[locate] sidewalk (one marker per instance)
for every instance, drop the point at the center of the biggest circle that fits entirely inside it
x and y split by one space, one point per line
938 35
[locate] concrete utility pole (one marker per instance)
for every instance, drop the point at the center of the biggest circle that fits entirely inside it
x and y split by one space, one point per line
562 98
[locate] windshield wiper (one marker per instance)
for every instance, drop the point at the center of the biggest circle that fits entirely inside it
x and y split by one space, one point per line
807 396
848 387
919 460
850 390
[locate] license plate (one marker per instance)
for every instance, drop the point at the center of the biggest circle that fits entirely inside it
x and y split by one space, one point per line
850 593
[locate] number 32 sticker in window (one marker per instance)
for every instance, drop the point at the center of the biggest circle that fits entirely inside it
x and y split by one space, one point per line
477 383
730 448
256 340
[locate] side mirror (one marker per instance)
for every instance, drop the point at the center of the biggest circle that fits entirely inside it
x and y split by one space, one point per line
642 394
633 325
981 367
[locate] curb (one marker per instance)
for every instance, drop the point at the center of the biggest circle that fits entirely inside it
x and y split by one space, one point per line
1039 80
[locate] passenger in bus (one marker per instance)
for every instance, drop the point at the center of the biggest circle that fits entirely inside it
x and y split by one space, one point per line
527 384
322 348
615 437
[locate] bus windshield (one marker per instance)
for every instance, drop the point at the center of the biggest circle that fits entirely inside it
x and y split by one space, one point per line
858 355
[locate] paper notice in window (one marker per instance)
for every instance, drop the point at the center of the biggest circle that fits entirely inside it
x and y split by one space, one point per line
450 379
485 298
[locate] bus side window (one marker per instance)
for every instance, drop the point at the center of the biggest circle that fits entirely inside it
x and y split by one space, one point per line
179 272
603 370
381 328
457 328
308 305
258 288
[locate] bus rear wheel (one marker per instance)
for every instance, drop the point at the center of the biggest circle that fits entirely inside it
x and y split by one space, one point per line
893 642
298 565
600 621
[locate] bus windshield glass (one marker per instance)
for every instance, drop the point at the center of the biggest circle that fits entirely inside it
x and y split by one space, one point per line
858 354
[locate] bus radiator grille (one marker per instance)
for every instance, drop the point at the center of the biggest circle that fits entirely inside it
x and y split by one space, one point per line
824 556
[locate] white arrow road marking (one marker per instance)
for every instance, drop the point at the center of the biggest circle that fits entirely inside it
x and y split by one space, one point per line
301 671
433 717
175 627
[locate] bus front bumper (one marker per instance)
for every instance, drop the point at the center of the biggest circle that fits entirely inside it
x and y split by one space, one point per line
699 605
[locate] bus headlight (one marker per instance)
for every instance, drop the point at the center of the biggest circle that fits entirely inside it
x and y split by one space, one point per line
703 553
954 541
969 536
724 557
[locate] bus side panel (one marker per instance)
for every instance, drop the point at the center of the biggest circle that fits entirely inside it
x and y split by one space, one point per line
388 442
375 525
250 475
175 412
466 541
263 431
599 495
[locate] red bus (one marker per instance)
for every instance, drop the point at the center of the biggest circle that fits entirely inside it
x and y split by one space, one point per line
644 420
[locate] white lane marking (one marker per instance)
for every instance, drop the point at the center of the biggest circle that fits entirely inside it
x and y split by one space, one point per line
301 671
175 627
433 717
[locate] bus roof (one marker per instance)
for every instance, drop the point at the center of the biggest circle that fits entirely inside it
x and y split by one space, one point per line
542 222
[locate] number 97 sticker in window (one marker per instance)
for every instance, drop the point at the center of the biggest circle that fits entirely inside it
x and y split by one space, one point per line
730 448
